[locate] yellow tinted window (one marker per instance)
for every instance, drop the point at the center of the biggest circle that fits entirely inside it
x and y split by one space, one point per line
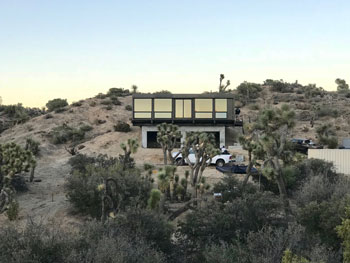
142 115
187 108
160 115
203 105
183 108
203 115
220 104
142 104
179 112
162 105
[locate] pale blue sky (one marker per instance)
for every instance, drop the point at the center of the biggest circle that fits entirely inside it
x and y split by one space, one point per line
76 49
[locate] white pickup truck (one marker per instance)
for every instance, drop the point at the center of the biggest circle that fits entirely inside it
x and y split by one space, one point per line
219 160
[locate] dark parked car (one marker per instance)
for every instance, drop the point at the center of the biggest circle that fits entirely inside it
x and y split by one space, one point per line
236 169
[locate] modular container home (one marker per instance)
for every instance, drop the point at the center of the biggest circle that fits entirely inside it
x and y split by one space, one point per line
212 112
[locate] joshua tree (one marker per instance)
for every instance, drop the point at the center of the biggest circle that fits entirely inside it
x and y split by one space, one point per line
129 148
203 146
13 160
250 143
166 180
109 197
274 126
342 85
134 89
327 136
168 135
222 88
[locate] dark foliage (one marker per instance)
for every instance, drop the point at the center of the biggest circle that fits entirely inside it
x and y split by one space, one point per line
122 127
56 104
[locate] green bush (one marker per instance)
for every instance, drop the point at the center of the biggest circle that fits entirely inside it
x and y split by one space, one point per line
32 146
326 111
128 107
77 104
122 127
13 211
254 107
89 242
101 96
56 104
65 133
118 92
115 101
86 128
83 191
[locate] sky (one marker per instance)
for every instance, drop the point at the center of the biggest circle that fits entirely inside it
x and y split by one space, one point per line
75 49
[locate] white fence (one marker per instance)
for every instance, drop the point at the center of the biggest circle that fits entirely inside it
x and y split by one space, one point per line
339 157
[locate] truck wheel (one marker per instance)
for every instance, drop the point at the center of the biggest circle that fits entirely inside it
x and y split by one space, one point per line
220 163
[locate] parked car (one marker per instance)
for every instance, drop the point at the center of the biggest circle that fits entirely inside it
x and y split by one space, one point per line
219 160
236 169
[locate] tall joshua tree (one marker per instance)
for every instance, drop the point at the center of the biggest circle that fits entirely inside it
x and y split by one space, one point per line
274 125
250 143
129 148
203 146
222 88
167 136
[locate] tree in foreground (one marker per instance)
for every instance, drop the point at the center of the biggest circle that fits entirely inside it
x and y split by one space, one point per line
13 160
327 136
274 126
204 149
168 136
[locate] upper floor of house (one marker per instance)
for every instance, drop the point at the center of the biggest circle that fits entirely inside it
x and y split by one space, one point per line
183 109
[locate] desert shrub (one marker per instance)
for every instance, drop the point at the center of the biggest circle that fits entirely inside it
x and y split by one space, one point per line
230 188
16 113
60 110
33 146
280 85
128 107
48 116
65 133
82 188
86 128
18 183
106 102
122 127
56 104
99 121
219 222
77 104
92 103
322 200
141 222
91 242
118 92
108 107
101 96
326 111
13 210
80 162
254 107
115 100
249 90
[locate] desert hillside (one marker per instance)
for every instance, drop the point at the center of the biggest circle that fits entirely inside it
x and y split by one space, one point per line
46 199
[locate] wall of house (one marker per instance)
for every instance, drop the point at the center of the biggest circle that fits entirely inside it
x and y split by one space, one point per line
339 157
184 129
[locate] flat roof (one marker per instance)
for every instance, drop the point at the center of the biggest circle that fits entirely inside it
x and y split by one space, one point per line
184 95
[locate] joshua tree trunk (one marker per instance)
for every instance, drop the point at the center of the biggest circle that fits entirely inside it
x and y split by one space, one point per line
248 171
281 185
165 156
31 177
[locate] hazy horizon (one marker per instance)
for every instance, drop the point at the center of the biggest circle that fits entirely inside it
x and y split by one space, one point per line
74 50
